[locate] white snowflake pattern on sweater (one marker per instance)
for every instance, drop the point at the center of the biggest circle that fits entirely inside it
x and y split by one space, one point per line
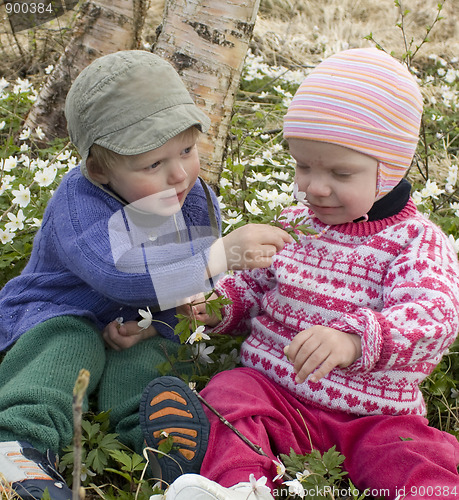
394 282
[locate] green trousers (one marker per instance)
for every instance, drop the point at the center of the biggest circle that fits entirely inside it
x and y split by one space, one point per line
38 373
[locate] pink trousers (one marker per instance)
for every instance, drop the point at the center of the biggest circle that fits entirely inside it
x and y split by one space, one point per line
388 455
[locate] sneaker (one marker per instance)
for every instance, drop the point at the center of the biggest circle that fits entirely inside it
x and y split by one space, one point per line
30 473
200 488
170 408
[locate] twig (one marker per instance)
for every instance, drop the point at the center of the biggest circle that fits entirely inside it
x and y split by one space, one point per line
79 391
247 441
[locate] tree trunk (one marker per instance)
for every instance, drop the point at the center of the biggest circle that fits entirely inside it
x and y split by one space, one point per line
103 26
206 41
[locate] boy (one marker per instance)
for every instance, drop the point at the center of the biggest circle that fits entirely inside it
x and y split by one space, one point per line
134 227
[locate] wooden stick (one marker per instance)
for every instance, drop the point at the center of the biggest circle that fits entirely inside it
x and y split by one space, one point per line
246 440
79 391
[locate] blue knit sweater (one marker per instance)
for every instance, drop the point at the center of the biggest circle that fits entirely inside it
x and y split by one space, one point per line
71 270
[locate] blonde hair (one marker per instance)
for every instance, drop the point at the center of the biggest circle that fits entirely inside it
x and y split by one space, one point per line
101 159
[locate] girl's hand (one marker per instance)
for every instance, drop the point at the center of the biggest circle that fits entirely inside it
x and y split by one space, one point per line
319 349
125 335
195 308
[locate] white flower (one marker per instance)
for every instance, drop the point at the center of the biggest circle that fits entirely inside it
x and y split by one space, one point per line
282 176
198 335
46 176
21 196
252 207
232 221
299 195
3 84
201 351
259 485
22 86
224 182
39 133
33 96
451 180
25 134
221 204
287 188
454 243
295 488
24 147
302 475
2 124
6 183
273 197
259 177
34 222
431 189
38 163
267 155
65 155
280 469
8 164
417 198
85 472
256 162
450 76
6 236
147 318
72 163
17 221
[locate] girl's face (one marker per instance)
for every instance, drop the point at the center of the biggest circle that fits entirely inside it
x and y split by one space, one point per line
159 180
340 184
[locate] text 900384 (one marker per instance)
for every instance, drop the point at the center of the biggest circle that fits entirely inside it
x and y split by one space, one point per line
26 14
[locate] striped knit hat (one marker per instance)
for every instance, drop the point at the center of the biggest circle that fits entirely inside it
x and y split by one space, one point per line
365 100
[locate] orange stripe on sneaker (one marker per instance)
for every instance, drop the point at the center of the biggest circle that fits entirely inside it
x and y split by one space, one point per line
188 454
170 411
168 395
179 430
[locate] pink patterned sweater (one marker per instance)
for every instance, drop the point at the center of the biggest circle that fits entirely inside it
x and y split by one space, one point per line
394 282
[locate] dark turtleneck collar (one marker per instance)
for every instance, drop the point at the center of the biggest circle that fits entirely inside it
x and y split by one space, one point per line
392 203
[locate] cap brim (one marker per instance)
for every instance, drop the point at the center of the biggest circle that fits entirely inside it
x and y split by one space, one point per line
155 130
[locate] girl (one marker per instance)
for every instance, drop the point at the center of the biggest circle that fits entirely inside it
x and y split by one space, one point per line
345 324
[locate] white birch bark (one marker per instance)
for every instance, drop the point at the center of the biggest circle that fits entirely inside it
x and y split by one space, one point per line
206 41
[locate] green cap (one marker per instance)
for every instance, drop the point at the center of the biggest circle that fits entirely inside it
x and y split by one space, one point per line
129 102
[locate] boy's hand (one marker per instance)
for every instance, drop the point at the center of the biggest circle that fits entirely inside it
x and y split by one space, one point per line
124 336
196 308
319 349
247 247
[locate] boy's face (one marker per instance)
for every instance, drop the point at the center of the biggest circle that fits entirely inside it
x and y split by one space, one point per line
159 180
340 184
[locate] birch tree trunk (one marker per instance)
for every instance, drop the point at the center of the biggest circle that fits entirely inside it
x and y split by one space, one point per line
103 26
206 41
